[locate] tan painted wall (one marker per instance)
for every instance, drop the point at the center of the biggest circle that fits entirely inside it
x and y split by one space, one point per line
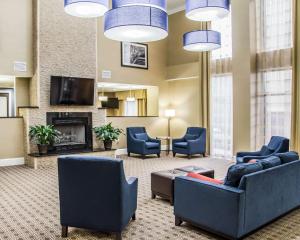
16 36
11 140
22 92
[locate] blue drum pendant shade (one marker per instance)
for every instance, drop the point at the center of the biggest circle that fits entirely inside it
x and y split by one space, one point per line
86 8
136 24
201 41
206 10
150 3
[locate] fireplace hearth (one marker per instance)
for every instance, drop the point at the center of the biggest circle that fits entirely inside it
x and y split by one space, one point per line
76 131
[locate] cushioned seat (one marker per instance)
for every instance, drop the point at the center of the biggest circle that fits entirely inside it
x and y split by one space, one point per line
181 144
152 145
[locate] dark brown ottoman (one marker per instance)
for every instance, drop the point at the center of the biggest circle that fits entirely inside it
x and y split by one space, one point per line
162 182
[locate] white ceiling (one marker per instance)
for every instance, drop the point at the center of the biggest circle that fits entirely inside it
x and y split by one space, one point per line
175 5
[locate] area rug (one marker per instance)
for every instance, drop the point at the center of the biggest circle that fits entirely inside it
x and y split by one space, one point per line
29 206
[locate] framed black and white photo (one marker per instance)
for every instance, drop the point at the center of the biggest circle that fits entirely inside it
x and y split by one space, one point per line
134 55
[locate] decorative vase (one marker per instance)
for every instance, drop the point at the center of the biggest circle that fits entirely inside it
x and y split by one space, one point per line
43 149
107 145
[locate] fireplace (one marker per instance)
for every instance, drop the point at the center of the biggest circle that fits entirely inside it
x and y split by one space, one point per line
76 131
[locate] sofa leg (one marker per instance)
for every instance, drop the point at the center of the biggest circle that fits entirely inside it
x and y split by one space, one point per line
64 231
189 156
133 217
158 155
143 156
174 154
128 154
204 155
178 221
119 236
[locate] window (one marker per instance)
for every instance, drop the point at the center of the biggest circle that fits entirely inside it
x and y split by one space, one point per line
131 108
221 92
274 70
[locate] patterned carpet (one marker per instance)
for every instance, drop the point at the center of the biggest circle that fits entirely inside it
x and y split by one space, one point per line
29 206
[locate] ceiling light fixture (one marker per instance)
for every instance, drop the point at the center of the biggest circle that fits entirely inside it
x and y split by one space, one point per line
136 23
161 4
86 8
201 41
206 10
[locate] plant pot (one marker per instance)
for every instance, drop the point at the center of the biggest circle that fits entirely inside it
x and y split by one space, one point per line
43 149
107 145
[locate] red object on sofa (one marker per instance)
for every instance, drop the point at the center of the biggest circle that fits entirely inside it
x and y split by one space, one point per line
204 178
253 161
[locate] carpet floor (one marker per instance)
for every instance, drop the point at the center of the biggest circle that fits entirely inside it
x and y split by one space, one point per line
29 206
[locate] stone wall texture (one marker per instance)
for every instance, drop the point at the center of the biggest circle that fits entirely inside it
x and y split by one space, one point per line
63 46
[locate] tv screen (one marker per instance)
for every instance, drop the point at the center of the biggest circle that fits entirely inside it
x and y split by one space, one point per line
71 91
111 103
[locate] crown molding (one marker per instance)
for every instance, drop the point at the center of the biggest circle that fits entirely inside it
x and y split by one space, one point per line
177 9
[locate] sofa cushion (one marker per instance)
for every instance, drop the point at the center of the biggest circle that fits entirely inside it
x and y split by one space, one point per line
181 144
188 137
270 162
265 151
152 145
141 136
236 172
204 178
288 157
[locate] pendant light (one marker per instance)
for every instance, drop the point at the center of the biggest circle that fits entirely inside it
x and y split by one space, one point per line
206 10
201 40
86 8
136 23
103 98
161 4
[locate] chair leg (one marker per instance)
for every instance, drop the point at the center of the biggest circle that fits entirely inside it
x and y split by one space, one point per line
119 236
128 154
158 155
64 231
133 217
174 154
204 155
143 156
189 156
178 221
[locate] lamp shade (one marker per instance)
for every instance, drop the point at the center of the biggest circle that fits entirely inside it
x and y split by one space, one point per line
206 10
202 40
170 112
86 8
136 24
103 98
150 3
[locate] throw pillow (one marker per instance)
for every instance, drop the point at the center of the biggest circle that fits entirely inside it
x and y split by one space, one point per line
236 172
270 162
188 137
265 151
141 136
204 178
288 157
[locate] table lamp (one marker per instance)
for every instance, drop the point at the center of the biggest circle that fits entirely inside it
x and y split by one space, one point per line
169 113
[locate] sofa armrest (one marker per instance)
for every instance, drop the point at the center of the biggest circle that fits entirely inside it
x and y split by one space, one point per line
243 154
153 140
217 207
130 197
175 140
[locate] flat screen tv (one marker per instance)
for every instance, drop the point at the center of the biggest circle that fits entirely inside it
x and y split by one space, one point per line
112 103
71 91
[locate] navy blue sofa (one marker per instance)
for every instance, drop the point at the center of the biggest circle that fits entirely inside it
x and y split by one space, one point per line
94 194
276 145
234 212
193 142
139 142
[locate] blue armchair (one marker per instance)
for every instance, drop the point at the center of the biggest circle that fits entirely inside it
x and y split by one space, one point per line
139 142
94 194
276 145
194 142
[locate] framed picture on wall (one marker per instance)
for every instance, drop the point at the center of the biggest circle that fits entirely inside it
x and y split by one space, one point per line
134 55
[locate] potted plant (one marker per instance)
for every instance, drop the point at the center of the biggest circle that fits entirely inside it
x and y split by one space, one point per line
108 134
44 136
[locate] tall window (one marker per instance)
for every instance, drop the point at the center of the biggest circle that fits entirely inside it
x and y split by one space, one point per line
274 69
221 92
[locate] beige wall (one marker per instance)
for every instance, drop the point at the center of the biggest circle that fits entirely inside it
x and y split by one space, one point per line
22 92
16 36
11 140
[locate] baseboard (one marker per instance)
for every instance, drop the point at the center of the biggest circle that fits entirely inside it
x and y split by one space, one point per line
12 162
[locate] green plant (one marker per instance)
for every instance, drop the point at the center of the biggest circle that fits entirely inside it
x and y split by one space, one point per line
43 134
108 133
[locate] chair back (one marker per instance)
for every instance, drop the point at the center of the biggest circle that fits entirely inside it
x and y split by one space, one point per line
90 191
279 144
197 131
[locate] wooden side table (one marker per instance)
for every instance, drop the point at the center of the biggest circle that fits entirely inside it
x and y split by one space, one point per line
168 141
